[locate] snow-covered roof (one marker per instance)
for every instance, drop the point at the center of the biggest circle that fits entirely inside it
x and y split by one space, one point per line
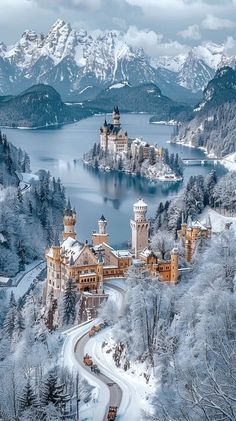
122 253
198 224
72 248
138 141
4 280
140 203
146 252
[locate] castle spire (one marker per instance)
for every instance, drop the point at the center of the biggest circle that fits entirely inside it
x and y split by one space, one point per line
116 116
189 222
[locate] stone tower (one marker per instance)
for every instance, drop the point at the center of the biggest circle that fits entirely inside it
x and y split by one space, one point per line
116 117
69 222
140 227
174 266
101 236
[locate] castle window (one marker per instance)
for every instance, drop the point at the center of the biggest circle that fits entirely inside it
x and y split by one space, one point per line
58 276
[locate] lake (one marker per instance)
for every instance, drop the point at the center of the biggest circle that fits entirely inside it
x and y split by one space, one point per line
60 150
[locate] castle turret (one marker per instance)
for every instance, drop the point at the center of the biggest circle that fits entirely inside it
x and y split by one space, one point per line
102 223
69 222
140 227
101 236
116 116
53 257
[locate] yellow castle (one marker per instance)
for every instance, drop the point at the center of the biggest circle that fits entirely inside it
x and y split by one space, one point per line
90 265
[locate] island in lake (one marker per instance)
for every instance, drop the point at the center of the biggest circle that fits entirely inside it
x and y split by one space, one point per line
117 152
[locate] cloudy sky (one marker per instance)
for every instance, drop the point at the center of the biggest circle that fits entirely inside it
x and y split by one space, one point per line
159 26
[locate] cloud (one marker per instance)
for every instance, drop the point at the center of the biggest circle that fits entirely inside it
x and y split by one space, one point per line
152 42
213 23
192 32
230 46
146 39
69 4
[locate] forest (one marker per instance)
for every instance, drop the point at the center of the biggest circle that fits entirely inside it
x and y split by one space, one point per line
28 219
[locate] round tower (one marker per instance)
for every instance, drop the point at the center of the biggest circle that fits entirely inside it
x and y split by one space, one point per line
101 236
116 116
140 210
140 227
102 224
69 222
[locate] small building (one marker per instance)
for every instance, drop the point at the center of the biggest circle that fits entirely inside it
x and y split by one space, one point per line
137 143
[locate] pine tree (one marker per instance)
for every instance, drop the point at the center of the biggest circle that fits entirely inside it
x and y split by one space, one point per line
69 303
166 156
140 155
27 398
19 325
53 392
152 156
10 319
94 150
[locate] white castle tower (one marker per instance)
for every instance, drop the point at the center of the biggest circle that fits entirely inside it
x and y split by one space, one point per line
140 227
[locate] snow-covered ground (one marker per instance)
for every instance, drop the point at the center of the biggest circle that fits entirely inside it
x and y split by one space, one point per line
218 221
24 279
230 161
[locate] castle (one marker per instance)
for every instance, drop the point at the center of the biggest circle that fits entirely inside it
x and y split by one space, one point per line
191 232
90 265
112 137
116 141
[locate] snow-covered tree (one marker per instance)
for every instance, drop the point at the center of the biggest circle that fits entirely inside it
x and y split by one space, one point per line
69 300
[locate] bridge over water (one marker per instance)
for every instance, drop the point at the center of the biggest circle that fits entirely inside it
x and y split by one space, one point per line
199 161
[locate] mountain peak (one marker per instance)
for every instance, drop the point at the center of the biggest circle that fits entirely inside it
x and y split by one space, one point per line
29 35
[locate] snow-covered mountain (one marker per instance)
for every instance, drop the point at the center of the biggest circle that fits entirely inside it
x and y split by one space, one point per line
213 125
194 69
79 64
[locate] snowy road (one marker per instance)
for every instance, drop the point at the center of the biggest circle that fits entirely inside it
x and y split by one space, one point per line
112 387
24 281
115 392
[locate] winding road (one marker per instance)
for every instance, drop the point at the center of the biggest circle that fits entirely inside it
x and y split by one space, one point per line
115 391
112 390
